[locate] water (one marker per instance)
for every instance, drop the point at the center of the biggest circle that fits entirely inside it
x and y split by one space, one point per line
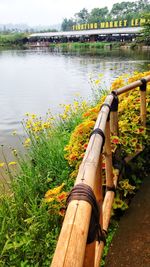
36 80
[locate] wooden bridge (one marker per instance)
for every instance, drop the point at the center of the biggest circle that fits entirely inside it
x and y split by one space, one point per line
86 222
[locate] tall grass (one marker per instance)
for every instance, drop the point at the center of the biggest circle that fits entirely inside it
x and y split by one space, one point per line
29 225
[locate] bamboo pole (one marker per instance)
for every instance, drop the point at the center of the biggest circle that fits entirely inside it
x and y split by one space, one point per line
131 86
114 116
109 197
89 255
65 234
98 254
98 189
100 198
77 243
89 259
143 107
72 240
108 157
114 123
107 208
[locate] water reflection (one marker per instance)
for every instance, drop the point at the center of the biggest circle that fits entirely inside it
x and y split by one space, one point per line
37 79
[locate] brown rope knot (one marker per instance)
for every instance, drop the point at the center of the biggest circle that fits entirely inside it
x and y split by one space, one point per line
85 192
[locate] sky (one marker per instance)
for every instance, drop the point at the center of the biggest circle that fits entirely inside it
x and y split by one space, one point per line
46 12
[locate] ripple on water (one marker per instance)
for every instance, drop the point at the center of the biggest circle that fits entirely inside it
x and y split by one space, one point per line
36 80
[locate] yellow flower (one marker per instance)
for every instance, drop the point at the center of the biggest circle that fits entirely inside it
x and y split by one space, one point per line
12 163
33 116
49 199
14 132
76 104
63 116
27 142
54 191
2 164
67 108
14 151
97 81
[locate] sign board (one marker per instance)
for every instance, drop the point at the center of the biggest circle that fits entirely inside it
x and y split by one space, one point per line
109 24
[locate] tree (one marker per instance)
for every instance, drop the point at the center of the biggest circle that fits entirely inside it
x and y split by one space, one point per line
143 5
146 30
98 14
120 10
67 24
82 16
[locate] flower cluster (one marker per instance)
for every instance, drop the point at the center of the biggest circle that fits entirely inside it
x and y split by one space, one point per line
70 110
36 125
77 145
56 199
132 136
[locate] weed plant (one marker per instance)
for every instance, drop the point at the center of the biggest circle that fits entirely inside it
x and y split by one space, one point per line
30 225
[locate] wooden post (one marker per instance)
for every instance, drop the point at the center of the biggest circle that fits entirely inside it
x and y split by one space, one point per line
107 208
89 260
98 189
100 200
114 116
89 255
114 123
108 157
143 107
110 194
74 231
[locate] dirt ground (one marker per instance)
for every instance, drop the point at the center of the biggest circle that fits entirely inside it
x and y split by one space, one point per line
131 244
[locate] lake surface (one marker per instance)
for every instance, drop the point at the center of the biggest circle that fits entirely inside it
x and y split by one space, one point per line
36 80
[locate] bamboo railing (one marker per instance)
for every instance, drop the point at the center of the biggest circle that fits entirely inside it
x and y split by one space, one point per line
72 249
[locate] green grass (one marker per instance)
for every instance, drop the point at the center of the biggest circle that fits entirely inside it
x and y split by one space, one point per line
82 46
29 228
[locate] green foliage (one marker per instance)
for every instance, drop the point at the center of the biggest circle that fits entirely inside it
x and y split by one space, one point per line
146 31
98 15
82 16
13 39
67 24
82 47
143 5
123 10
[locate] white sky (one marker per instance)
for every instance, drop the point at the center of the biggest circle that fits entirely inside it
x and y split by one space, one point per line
46 12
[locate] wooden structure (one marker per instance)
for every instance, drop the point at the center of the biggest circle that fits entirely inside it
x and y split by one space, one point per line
72 249
112 34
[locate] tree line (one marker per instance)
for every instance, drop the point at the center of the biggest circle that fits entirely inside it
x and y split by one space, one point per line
120 11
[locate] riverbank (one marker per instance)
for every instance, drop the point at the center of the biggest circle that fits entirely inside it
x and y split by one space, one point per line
135 46
84 45
13 40
32 213
98 46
